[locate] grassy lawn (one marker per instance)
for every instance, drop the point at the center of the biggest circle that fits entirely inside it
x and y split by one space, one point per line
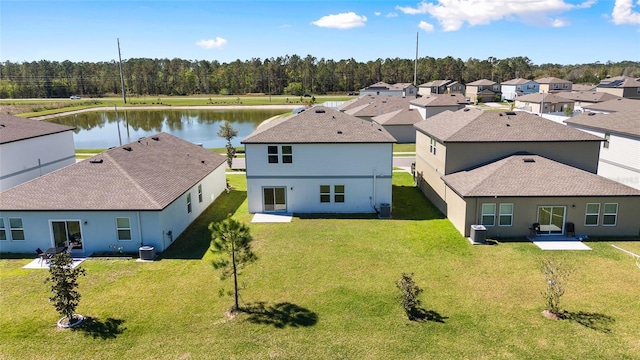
40 107
323 288
404 147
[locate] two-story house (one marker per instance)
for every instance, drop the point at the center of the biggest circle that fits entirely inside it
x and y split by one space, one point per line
620 154
509 171
518 87
623 86
382 88
143 193
553 84
31 148
483 90
319 161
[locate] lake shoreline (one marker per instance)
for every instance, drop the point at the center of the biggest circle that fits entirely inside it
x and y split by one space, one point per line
161 107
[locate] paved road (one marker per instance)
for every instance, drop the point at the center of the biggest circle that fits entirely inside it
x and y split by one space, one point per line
398 161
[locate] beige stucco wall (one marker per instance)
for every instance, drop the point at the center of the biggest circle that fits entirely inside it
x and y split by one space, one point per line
429 169
583 154
525 213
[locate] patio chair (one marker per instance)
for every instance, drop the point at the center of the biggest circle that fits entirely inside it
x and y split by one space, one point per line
534 230
570 229
42 255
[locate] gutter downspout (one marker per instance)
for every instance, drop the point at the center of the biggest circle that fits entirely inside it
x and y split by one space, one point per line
374 191
140 229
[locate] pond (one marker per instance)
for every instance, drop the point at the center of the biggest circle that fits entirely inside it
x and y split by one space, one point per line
105 129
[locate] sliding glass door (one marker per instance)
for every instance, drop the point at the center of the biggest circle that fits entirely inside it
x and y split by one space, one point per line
551 219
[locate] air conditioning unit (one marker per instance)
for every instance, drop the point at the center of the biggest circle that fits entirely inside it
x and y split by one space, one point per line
478 234
147 253
385 211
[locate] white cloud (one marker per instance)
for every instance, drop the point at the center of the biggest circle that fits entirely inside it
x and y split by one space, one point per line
218 43
425 26
452 14
559 23
623 12
391 15
377 13
341 21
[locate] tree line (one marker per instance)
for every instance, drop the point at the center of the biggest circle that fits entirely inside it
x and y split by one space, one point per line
291 75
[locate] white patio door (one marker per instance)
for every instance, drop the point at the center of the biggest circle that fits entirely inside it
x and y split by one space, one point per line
551 219
67 233
274 199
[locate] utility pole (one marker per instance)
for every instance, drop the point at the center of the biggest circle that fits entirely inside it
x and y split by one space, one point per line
124 95
415 65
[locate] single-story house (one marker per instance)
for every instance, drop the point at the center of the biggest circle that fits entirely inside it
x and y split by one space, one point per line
509 195
544 103
431 105
586 98
31 148
319 161
143 193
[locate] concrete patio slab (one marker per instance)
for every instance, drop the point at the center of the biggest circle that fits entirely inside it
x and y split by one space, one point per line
271 218
560 245
37 264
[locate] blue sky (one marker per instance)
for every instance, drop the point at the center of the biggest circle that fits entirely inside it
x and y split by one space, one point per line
546 31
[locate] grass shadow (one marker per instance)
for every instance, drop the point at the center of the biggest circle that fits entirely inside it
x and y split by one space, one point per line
311 216
422 314
409 203
279 315
194 242
108 329
595 321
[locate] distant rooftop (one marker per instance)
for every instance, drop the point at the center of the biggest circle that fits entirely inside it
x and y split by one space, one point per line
13 128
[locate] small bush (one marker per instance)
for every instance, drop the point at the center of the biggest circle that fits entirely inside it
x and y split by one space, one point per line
409 297
556 276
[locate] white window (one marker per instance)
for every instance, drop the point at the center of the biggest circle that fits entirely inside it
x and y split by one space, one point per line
506 215
592 214
325 193
3 230
607 139
432 145
272 153
565 86
123 226
338 193
488 214
610 215
287 154
189 203
15 226
199 192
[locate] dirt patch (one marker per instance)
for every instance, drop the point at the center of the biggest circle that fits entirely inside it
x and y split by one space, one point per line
549 315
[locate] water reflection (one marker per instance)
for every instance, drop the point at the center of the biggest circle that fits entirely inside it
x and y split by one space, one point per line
104 129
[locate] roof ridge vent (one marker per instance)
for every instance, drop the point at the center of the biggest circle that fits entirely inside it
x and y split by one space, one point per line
529 160
128 148
320 111
95 161
155 138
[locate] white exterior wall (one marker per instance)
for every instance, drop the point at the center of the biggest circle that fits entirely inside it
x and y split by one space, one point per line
509 91
352 165
621 161
99 230
175 217
23 160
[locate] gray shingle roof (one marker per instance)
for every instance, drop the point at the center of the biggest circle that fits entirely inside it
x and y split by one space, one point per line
13 128
150 176
587 96
482 82
517 81
614 105
399 117
623 122
475 125
552 80
319 125
533 175
379 105
619 82
537 98
434 100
